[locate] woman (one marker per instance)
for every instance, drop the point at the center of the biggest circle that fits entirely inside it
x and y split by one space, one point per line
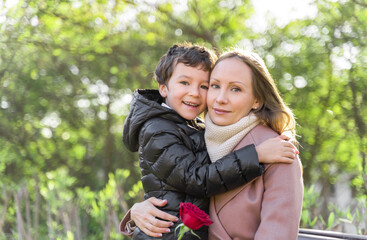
244 107
241 92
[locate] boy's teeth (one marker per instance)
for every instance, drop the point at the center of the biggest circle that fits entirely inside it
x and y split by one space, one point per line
191 104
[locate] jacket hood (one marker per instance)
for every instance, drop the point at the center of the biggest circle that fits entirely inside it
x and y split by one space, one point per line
146 104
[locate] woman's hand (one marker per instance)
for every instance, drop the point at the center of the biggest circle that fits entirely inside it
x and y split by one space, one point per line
145 215
277 150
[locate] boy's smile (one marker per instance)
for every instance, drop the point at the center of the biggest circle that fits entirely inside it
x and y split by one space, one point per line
186 90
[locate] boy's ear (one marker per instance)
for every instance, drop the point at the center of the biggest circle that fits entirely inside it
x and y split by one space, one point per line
162 90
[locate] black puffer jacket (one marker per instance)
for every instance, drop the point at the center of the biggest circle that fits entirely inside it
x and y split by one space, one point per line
174 161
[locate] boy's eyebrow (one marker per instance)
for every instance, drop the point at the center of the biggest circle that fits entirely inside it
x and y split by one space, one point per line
183 76
186 76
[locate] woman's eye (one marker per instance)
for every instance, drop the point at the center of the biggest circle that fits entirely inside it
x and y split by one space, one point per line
214 86
235 89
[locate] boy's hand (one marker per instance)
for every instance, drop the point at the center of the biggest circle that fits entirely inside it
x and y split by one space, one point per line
276 150
145 214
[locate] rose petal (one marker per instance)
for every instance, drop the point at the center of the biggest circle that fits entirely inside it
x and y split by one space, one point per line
193 217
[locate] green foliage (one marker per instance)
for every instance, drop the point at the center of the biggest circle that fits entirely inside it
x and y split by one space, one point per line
308 218
318 65
67 72
336 219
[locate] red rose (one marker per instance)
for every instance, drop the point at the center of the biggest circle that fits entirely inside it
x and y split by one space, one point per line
193 217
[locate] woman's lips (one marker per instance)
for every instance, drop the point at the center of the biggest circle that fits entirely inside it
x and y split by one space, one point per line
220 111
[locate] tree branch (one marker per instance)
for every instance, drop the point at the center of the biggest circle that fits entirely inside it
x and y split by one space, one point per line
363 4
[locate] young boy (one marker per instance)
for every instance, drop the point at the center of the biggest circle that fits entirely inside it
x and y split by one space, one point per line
163 126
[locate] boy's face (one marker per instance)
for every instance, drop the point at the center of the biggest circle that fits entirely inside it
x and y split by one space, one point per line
186 91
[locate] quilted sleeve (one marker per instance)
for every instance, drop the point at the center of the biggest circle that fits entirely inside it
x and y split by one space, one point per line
169 159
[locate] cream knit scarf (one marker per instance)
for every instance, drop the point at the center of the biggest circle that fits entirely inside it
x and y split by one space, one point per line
221 140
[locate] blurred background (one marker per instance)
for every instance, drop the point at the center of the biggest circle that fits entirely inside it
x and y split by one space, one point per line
68 69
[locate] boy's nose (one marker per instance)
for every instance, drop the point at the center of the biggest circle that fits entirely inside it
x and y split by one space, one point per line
194 91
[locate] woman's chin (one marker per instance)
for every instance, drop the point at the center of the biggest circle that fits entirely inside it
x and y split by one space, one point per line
220 121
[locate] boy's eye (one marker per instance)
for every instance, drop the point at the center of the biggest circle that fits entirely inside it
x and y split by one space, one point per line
184 83
204 87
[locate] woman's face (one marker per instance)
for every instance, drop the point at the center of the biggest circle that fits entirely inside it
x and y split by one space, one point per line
230 95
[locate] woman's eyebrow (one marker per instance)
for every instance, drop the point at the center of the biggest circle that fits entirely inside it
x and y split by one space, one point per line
234 82
237 82
214 79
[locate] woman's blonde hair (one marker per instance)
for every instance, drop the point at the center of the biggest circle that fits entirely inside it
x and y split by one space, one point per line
272 111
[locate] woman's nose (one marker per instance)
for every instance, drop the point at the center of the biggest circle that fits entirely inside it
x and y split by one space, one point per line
221 97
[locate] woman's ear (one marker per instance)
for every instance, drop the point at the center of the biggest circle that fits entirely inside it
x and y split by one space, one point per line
256 105
162 90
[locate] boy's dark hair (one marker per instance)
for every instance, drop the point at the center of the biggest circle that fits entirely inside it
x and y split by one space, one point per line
186 53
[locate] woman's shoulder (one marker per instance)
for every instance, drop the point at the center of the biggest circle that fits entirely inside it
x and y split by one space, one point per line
260 133
257 135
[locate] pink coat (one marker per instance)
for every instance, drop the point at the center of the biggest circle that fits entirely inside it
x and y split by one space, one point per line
269 207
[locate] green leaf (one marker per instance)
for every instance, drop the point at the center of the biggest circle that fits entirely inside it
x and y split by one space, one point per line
331 220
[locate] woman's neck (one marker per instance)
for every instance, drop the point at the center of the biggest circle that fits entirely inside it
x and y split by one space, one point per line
221 140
